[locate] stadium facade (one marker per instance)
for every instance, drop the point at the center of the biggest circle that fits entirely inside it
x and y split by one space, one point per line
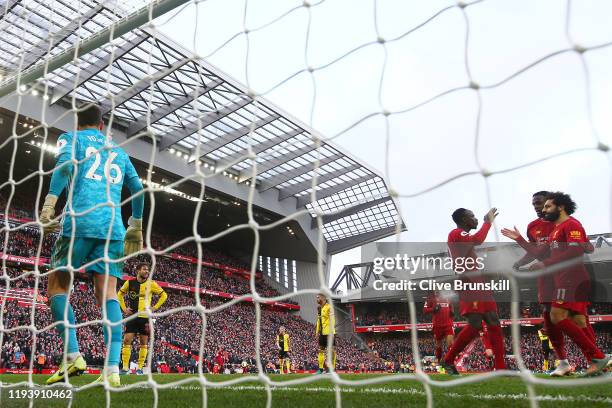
170 111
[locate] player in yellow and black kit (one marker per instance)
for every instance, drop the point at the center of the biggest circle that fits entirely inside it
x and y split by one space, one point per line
326 326
135 297
282 342
547 348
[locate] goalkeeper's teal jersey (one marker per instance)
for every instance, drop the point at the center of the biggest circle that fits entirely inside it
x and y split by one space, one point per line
98 180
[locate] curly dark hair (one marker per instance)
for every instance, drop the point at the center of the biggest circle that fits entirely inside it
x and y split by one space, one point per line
140 265
559 198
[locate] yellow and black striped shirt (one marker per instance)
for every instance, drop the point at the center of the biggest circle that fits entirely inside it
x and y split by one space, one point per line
283 342
137 296
326 323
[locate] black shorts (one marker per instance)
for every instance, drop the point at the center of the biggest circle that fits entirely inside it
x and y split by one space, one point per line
546 347
323 341
282 354
140 325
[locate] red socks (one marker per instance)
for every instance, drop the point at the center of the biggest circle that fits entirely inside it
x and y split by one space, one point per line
439 353
556 337
467 334
590 332
497 341
578 336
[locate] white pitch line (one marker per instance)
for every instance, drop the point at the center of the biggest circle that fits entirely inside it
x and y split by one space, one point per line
409 391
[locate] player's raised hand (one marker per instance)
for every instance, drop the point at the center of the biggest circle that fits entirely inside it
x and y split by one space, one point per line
47 215
133 237
513 234
490 216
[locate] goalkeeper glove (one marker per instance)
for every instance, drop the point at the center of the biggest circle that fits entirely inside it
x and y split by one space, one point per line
133 236
47 215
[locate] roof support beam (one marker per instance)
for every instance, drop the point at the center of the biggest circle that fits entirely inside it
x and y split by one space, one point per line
206 119
327 218
306 184
174 105
98 63
275 162
7 7
344 244
229 137
141 85
39 50
289 174
258 148
326 192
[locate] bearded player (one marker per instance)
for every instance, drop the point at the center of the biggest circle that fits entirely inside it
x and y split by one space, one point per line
538 231
93 169
567 244
442 322
139 293
477 306
325 329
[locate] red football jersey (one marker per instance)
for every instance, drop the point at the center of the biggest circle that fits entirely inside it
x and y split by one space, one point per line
568 242
441 318
538 231
461 246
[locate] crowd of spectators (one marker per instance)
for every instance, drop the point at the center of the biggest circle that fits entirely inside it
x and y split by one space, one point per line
396 348
24 242
371 314
228 332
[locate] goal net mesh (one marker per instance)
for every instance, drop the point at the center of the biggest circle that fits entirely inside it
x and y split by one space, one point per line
365 83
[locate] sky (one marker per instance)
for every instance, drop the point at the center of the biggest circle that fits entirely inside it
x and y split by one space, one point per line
539 113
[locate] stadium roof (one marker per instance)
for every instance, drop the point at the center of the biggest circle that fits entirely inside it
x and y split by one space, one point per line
194 110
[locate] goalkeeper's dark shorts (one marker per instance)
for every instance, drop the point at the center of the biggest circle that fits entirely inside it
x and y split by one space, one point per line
140 325
323 341
282 354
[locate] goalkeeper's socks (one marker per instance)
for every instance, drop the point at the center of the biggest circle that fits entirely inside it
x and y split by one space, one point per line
58 306
321 359
112 334
288 367
582 340
545 365
467 334
126 354
497 341
142 356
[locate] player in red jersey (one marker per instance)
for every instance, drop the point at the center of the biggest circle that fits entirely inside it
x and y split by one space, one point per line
538 231
476 306
567 244
442 321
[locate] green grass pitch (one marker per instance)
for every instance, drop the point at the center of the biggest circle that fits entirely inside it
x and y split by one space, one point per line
318 392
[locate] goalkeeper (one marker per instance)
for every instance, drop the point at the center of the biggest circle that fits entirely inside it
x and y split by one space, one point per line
93 170
326 328
139 295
